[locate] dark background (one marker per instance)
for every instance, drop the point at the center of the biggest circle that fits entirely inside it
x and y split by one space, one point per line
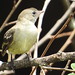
54 12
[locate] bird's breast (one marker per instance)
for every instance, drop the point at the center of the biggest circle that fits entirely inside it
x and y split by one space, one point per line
24 39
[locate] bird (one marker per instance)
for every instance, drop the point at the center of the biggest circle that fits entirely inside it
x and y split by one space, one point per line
23 35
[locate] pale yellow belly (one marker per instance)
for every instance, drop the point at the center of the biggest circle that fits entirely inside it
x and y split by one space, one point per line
22 43
21 47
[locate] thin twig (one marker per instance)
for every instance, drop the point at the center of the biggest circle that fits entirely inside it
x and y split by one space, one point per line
56 26
66 43
13 22
51 41
39 29
64 34
64 26
42 71
67 66
10 14
54 68
14 2
59 22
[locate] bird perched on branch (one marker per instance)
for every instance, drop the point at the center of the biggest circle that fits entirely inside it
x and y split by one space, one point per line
22 36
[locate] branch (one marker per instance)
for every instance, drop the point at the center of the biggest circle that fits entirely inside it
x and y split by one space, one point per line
57 25
46 3
54 68
13 22
39 61
66 67
10 14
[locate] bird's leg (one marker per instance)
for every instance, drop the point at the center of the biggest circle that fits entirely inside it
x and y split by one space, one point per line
9 57
11 60
28 56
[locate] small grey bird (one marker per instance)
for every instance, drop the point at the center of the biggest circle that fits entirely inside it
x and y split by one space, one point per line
22 36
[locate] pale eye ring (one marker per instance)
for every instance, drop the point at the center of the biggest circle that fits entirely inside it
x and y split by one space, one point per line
34 12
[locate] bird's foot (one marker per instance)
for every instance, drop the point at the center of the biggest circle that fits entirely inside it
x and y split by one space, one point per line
28 57
11 64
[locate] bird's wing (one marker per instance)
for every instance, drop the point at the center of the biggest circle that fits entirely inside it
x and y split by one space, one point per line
7 40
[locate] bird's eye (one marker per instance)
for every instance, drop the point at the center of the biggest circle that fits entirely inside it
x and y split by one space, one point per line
34 12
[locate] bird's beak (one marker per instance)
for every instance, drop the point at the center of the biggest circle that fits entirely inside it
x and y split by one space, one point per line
39 12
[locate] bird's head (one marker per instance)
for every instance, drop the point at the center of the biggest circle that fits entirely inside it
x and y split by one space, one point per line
30 14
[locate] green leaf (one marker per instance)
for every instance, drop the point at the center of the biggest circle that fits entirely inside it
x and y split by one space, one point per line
73 66
71 74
